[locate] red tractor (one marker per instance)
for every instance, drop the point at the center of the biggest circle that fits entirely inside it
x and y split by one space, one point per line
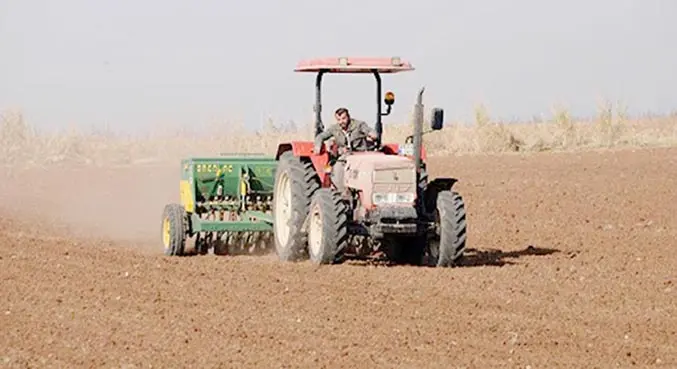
390 208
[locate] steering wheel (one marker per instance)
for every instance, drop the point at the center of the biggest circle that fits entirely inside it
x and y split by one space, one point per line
372 146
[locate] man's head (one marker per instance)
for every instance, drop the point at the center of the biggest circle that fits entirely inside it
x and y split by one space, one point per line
342 117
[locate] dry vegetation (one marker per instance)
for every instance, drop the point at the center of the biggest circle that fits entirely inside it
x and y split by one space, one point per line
23 146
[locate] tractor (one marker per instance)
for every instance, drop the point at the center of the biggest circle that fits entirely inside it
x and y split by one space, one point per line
390 210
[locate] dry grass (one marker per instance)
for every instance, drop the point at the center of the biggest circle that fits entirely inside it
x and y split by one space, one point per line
22 146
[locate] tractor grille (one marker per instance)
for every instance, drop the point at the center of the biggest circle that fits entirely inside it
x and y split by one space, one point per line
394 188
395 180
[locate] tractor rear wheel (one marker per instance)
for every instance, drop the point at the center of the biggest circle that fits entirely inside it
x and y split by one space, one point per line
327 228
295 184
446 249
174 229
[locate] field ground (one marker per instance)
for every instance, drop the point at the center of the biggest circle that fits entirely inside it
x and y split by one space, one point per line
572 264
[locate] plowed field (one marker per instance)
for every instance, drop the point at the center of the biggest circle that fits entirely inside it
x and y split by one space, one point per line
573 263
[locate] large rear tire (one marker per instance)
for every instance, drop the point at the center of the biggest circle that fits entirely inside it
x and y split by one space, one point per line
327 228
448 246
174 229
295 184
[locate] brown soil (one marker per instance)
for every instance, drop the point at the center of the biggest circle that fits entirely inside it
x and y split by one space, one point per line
572 265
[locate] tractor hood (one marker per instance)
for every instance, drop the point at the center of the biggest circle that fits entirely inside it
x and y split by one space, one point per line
382 179
376 161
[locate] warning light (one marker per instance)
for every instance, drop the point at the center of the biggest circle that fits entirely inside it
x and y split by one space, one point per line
389 98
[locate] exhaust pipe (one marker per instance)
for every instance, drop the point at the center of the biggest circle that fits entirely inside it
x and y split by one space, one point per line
418 133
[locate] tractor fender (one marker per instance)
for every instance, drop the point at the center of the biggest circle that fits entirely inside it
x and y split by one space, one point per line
442 183
433 188
298 148
304 150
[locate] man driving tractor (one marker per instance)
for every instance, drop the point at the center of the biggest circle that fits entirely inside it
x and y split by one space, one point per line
350 135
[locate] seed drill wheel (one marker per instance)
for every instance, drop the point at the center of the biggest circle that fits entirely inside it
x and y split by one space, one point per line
446 249
295 184
328 227
174 229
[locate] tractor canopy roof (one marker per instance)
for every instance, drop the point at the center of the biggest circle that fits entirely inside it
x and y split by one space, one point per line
354 65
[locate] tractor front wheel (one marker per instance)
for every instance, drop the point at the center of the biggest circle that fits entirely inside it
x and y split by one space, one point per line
448 245
174 229
327 228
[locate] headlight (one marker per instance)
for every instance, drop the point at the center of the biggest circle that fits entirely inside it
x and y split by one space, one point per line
392 198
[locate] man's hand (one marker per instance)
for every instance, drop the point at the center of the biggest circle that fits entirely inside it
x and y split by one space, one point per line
371 133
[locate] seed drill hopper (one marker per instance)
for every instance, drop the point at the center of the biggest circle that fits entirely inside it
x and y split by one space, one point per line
225 206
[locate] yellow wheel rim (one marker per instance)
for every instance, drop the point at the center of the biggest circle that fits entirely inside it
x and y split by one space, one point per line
166 232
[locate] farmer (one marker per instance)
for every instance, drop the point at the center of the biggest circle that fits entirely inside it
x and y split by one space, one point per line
350 135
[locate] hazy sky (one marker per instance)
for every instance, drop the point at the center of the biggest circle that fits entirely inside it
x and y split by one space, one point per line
132 64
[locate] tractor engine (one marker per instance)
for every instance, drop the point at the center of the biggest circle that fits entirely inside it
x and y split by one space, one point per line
385 188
